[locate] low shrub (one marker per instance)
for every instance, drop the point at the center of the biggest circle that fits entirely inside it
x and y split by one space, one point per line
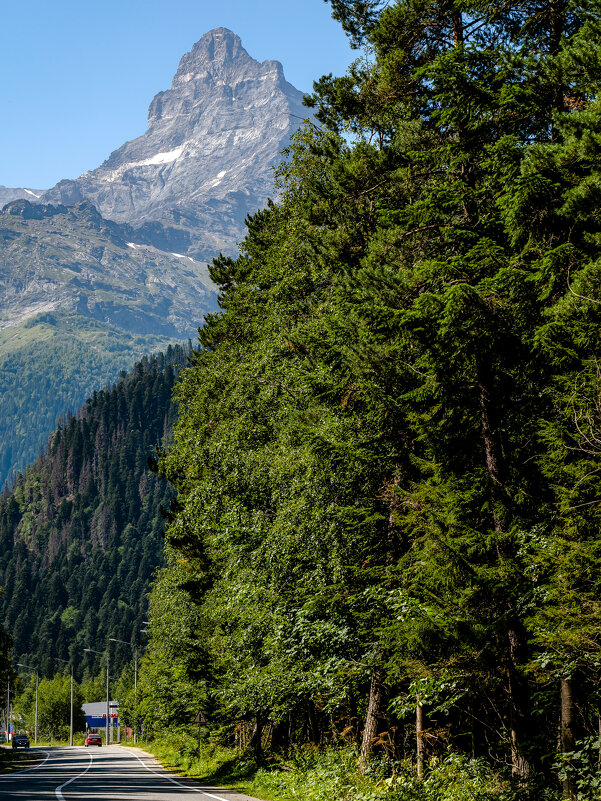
333 774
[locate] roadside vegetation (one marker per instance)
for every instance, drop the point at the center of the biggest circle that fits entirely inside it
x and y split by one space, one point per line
16 760
323 774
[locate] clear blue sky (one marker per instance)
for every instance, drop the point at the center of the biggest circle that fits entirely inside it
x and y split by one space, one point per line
77 75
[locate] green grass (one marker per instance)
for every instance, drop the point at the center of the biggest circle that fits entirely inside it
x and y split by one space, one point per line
64 328
328 774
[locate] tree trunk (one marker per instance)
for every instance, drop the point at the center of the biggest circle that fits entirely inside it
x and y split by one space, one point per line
313 723
256 739
567 733
458 31
419 730
280 736
375 712
519 705
492 447
354 720
557 20
557 23
519 701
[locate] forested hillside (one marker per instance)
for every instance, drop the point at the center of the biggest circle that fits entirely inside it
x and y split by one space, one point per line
84 354
387 457
81 531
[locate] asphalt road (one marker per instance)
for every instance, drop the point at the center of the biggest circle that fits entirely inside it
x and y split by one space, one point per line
103 774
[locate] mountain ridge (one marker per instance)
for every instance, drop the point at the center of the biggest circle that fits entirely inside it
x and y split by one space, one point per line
8 194
205 161
78 262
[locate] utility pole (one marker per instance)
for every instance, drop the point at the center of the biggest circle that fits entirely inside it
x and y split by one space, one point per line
144 631
37 682
108 703
8 710
135 649
135 691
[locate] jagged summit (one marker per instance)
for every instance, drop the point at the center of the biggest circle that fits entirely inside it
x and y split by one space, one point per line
216 68
220 48
206 158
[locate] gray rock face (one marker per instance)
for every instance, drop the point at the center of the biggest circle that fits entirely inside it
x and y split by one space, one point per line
82 297
205 160
7 194
69 260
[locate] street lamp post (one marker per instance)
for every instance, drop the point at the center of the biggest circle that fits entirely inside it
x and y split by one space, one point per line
135 649
144 631
66 661
92 651
8 710
135 691
35 734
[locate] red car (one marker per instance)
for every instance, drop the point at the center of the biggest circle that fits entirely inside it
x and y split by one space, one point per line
93 739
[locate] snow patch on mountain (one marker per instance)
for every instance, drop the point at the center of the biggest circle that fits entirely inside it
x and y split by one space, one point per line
161 158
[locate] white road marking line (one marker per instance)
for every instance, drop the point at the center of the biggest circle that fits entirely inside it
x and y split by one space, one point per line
169 779
27 770
58 792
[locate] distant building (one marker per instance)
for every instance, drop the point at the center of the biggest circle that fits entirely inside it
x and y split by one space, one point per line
96 714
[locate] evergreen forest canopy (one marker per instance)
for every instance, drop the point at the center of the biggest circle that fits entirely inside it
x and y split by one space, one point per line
387 459
81 533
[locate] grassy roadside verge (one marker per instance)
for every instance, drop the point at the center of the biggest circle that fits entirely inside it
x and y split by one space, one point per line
215 766
12 759
327 775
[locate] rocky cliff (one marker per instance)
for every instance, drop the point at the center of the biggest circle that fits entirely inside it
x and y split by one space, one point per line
7 194
206 158
69 259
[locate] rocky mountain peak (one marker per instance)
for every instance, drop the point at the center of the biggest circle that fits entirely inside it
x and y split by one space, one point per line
217 48
221 54
214 69
206 159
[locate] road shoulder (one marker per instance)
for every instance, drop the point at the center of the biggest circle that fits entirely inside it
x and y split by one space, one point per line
156 765
13 760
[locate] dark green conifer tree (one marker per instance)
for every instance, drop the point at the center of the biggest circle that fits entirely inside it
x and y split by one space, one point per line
378 454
